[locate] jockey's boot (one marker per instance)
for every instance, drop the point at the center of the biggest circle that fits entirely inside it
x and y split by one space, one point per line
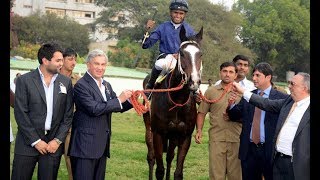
154 75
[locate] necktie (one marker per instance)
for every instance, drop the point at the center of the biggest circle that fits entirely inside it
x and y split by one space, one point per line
291 110
256 124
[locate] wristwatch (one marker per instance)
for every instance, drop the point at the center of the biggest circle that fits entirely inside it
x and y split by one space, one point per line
58 141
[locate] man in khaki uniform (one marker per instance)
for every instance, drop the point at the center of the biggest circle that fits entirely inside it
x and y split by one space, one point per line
69 62
223 134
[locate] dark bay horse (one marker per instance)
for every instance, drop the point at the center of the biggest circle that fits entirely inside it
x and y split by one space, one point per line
172 119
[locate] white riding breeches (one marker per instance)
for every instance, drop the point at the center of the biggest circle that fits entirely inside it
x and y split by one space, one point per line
167 63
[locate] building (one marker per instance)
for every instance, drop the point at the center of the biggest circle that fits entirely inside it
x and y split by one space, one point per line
82 11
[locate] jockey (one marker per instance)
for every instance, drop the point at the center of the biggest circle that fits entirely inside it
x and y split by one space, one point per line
168 34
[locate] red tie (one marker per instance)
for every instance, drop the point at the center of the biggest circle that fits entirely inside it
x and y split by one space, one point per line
256 124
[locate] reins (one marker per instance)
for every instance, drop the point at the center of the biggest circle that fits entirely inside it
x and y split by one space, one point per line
225 91
141 108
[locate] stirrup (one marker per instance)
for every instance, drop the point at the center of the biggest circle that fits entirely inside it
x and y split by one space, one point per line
162 76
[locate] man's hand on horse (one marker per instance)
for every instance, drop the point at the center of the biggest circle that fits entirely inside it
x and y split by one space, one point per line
150 24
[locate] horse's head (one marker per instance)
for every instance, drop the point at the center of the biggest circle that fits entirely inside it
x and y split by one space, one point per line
189 61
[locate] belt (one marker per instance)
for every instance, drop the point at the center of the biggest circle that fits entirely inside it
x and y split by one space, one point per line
258 145
279 154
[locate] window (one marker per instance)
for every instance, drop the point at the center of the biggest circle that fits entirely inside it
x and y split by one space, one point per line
27 6
84 1
58 12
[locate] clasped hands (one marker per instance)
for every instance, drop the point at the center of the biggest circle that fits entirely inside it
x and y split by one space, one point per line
45 148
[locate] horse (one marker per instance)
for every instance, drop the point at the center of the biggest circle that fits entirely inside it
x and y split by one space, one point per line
172 116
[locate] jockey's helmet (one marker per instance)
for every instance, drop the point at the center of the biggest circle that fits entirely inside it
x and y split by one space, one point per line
179 5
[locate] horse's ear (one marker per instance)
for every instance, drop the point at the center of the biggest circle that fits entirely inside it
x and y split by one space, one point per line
199 35
182 34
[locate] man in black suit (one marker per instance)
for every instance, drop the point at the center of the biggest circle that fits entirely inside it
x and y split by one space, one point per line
291 143
256 156
43 110
91 127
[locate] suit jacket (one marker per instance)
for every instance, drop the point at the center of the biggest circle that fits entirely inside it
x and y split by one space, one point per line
11 98
245 111
91 127
301 141
30 110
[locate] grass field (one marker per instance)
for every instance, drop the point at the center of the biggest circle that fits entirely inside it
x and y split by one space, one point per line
128 151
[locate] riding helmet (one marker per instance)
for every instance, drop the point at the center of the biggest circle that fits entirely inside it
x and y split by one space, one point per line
179 5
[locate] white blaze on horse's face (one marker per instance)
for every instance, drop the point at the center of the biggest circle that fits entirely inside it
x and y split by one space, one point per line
195 74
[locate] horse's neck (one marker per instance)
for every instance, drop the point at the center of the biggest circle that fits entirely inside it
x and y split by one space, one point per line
174 80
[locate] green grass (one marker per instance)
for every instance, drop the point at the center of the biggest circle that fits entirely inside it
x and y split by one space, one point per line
129 151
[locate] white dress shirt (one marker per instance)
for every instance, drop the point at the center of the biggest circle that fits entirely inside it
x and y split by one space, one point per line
49 99
102 89
289 128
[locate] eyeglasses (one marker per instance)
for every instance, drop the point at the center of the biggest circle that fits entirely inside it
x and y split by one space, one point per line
292 83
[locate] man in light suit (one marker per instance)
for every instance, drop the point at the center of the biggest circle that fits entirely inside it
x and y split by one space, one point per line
256 156
91 128
291 143
43 110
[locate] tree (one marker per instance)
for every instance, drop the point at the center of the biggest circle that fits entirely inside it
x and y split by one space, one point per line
13 35
220 27
278 32
126 51
38 29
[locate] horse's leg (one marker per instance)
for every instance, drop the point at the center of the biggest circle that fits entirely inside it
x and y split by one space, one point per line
158 151
181 155
149 142
170 156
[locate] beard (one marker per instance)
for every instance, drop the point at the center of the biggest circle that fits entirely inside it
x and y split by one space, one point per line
53 70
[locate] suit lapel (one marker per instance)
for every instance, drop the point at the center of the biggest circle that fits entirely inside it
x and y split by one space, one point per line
39 84
252 107
107 91
305 119
56 90
93 84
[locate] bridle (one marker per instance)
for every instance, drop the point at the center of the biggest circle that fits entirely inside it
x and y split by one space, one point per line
184 75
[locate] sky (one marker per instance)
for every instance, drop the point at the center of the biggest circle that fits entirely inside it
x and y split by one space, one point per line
227 3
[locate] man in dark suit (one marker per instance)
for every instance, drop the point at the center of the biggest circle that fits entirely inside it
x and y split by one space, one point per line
256 156
43 110
291 143
91 128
